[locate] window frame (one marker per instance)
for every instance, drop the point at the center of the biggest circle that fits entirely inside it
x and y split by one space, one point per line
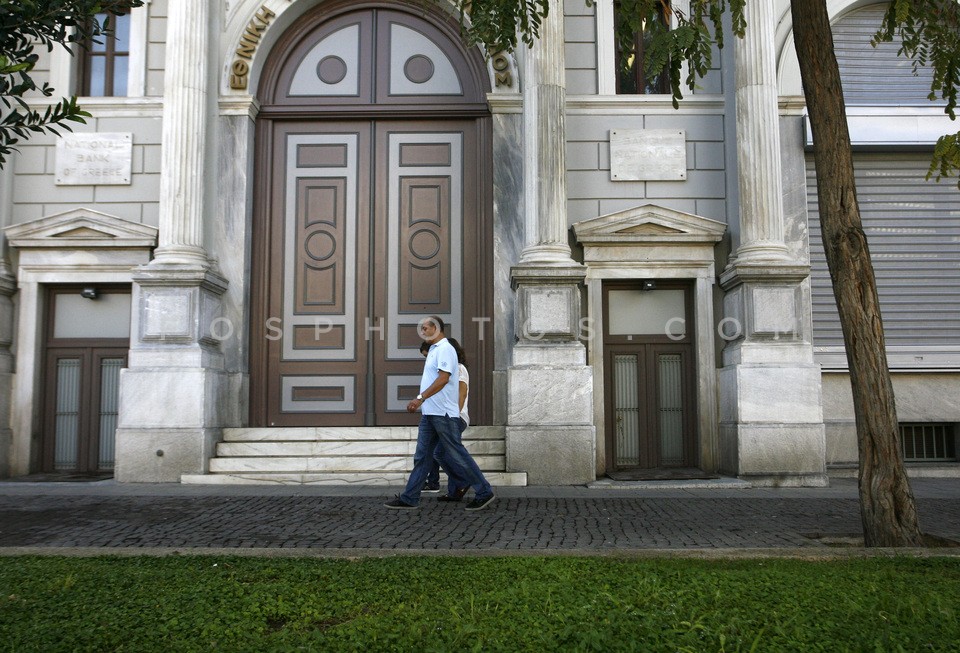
110 54
607 49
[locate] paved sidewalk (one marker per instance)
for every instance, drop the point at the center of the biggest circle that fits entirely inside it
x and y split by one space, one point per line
108 517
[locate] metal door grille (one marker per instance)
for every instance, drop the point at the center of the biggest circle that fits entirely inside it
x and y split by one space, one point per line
67 429
670 369
626 410
109 400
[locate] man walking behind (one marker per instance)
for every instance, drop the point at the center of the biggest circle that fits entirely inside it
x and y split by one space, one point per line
438 403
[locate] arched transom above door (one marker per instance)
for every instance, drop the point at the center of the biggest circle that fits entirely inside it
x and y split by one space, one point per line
373 56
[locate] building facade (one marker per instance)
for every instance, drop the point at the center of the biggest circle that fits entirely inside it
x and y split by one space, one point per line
219 278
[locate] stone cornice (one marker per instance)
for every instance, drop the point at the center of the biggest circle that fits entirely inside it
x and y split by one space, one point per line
645 104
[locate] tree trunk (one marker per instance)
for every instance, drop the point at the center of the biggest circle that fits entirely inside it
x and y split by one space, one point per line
887 507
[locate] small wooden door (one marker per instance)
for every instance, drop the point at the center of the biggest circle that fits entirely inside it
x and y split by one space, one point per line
649 367
82 377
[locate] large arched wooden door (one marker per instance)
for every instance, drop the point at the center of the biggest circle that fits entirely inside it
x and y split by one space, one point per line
371 214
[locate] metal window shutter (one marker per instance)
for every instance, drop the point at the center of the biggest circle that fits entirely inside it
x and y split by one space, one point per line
875 76
913 231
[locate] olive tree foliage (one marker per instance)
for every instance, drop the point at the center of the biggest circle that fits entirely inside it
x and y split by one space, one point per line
26 25
929 31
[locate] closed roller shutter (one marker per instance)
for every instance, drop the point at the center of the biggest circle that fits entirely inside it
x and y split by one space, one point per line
875 76
913 230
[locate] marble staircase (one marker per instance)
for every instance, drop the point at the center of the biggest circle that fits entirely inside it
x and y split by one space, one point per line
339 456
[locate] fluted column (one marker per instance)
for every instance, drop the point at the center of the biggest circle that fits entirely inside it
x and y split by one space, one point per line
184 134
544 130
758 139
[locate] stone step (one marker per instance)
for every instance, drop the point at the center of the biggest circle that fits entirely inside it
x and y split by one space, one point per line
496 479
313 448
323 464
352 433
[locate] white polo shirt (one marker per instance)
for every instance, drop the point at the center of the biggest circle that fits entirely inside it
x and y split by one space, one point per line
442 357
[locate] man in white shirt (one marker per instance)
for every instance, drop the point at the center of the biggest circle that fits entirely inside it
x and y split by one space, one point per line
439 406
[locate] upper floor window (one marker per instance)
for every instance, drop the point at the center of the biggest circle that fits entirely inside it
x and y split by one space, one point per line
106 63
631 49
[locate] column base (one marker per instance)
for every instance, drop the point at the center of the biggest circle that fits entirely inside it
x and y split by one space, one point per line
552 455
550 432
162 455
173 394
771 424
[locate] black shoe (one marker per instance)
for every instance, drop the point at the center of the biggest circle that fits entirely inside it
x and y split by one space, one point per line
431 487
398 504
456 496
480 504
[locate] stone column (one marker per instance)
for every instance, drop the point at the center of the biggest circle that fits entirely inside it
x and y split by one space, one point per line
170 395
8 286
758 140
771 415
550 434
182 158
544 139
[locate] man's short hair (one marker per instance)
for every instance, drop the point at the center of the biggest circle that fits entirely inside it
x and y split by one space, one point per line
438 321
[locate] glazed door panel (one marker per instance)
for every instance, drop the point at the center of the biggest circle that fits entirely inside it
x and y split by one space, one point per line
367 238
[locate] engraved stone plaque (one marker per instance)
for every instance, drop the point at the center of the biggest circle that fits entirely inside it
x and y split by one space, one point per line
648 155
94 159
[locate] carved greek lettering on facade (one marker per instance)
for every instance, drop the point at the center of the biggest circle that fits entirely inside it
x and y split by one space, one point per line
501 68
240 69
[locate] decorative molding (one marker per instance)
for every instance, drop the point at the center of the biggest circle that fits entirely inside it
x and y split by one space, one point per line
648 223
239 105
645 104
81 229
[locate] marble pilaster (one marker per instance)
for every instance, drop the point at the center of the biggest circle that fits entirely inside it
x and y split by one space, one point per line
172 393
7 288
769 352
550 432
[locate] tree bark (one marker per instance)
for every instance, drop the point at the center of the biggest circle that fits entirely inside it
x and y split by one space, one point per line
887 507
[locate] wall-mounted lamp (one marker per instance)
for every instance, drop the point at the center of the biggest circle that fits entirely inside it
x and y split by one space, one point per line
89 293
648 284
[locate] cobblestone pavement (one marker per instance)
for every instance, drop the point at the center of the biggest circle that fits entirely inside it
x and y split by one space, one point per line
107 515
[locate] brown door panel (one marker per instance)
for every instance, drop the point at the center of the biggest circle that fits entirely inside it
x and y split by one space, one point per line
318 299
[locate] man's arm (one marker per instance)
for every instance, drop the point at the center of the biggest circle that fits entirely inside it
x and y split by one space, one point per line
439 382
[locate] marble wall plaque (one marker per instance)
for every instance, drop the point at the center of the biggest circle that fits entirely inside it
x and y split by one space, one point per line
94 159
648 155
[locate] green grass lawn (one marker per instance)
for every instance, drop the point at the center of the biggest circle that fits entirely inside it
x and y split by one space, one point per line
201 603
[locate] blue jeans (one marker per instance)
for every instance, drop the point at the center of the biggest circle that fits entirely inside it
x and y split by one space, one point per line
454 482
445 432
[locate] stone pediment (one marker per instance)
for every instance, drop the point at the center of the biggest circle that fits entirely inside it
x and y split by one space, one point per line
81 229
648 224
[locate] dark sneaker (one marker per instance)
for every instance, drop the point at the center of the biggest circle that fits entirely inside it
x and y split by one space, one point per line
397 504
480 504
431 487
456 496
